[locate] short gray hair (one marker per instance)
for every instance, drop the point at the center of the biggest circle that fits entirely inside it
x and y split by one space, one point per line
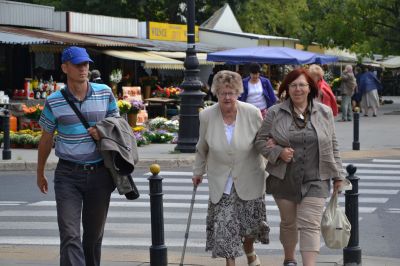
226 77
316 69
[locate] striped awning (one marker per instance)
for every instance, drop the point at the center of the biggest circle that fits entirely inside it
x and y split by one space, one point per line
151 60
202 57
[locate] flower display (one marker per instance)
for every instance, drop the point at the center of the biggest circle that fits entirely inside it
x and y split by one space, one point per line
159 136
136 106
169 92
116 75
123 106
32 112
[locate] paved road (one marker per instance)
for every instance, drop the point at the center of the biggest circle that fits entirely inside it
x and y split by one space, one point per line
27 217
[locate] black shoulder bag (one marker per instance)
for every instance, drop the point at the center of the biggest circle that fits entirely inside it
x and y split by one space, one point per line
134 194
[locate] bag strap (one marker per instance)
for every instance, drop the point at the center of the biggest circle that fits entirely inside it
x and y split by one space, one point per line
76 110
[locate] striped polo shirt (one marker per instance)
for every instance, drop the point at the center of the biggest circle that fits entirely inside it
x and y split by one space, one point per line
73 142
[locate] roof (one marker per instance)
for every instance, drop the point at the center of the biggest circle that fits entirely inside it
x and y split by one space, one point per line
13 38
223 19
30 36
251 35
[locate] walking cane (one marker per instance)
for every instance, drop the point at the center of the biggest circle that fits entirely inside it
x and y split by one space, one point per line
188 224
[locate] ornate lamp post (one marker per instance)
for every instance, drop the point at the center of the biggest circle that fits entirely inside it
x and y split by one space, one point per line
191 97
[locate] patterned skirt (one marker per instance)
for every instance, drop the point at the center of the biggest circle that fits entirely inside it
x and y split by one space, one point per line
232 219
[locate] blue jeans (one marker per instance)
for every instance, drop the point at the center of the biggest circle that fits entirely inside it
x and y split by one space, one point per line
85 192
347 109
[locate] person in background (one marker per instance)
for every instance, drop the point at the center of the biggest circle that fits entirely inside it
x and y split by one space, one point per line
96 76
325 94
298 139
258 90
82 184
236 215
348 85
369 86
356 98
125 81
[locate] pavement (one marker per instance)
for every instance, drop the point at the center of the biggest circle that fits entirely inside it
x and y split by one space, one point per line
379 137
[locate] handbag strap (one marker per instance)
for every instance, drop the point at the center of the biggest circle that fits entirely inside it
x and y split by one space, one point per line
76 110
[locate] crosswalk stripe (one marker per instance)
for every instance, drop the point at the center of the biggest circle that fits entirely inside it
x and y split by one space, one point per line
378 191
183 205
206 197
383 184
379 178
174 188
385 161
168 173
373 171
123 214
12 203
376 165
128 228
121 241
168 179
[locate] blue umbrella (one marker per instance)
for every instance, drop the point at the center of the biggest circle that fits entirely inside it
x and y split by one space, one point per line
269 55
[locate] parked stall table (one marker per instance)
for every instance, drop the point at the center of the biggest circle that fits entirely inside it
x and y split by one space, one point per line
162 102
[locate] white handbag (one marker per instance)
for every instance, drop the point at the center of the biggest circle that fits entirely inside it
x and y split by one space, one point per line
335 226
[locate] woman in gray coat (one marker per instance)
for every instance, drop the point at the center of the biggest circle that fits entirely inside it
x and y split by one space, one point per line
298 139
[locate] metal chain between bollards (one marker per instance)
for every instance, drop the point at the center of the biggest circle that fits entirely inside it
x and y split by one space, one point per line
158 250
352 253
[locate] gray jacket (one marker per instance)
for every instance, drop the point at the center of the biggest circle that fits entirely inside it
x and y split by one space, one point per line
119 150
348 83
277 124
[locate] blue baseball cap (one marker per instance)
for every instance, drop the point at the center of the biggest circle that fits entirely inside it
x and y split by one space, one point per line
75 55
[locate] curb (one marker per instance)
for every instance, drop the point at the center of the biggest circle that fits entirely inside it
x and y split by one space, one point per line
19 165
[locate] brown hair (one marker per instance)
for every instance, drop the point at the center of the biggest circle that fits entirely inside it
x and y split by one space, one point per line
293 75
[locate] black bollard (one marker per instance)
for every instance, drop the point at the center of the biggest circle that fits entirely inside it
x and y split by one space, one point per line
352 253
356 131
158 250
6 135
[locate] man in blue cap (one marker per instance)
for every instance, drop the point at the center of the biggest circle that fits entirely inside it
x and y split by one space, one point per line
82 184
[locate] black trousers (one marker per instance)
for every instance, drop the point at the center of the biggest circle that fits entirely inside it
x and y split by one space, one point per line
82 193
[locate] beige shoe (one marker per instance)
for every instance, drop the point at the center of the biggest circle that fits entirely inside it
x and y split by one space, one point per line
255 262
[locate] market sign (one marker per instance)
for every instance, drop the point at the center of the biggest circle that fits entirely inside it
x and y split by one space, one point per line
169 32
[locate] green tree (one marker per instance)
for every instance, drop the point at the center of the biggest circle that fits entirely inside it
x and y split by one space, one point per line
363 26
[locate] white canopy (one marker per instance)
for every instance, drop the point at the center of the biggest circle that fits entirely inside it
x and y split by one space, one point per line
393 62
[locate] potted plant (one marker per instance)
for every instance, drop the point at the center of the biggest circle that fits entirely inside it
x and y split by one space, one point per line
136 106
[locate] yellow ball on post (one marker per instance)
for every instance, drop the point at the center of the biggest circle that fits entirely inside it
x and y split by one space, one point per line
155 169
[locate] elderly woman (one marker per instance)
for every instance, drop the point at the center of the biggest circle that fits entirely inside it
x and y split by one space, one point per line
298 139
225 151
325 94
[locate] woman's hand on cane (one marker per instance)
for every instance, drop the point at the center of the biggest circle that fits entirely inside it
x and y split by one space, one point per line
197 180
